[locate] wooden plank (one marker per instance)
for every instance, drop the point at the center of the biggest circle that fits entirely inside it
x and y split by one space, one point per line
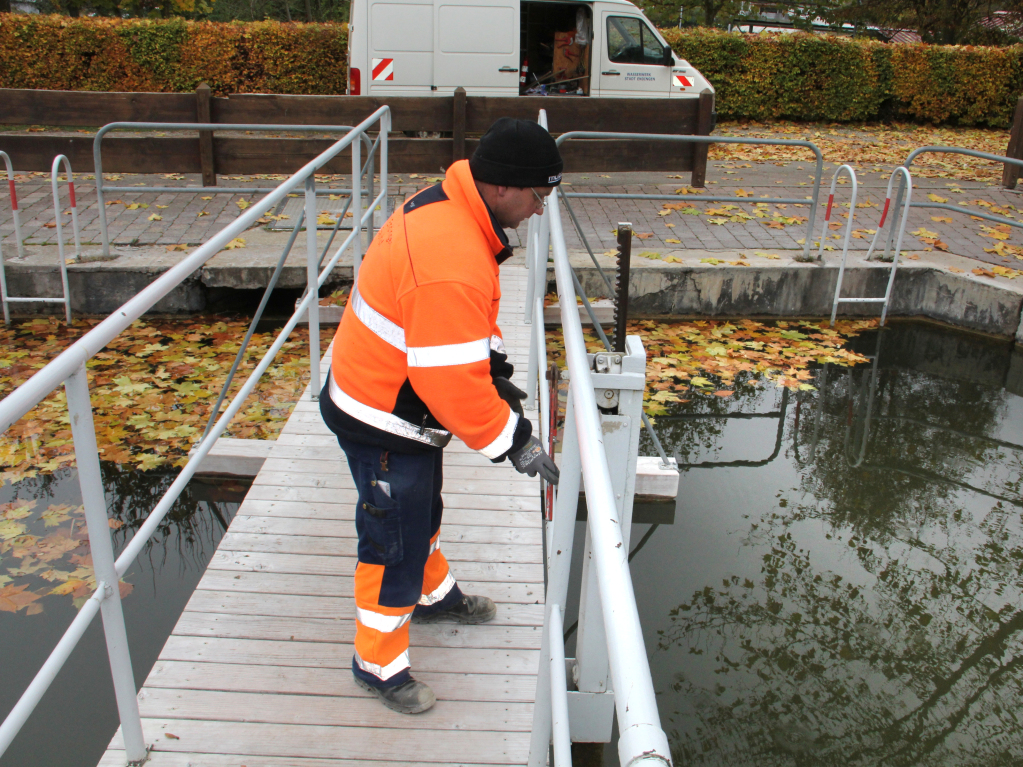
563 115
321 467
510 485
332 608
315 585
286 155
1010 172
329 528
452 498
117 758
120 154
299 680
88 108
318 741
458 125
187 759
300 564
338 655
335 710
586 155
345 510
432 113
303 544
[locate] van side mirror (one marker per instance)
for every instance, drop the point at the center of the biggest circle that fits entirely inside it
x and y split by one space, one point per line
669 57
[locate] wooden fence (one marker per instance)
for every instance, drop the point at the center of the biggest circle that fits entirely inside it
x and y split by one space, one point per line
457 115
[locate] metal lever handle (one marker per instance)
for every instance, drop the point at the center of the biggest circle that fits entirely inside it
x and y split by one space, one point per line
507 69
611 72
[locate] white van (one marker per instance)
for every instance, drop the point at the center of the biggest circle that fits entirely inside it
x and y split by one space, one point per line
604 48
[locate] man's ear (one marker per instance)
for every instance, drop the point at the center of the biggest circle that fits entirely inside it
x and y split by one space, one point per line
502 191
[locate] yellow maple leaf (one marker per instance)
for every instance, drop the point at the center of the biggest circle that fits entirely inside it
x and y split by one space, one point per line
934 198
237 242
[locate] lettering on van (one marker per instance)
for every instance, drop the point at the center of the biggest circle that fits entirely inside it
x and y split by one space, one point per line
642 77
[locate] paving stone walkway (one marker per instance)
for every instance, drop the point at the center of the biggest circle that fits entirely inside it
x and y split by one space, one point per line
192 218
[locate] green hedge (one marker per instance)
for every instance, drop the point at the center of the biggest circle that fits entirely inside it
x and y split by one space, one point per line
803 76
797 76
95 54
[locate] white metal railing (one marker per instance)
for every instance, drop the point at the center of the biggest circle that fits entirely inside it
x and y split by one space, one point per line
611 672
69 369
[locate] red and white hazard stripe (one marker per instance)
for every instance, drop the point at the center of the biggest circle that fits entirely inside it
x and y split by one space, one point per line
383 69
682 81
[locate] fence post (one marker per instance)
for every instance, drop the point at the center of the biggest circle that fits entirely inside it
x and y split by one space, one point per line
202 115
704 125
458 126
1010 173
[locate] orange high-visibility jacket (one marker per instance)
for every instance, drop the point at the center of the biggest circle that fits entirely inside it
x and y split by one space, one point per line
412 356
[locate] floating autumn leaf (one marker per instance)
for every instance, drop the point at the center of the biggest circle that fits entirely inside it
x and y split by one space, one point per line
14 598
234 244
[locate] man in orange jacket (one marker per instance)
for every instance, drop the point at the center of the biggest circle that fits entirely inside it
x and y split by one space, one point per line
418 357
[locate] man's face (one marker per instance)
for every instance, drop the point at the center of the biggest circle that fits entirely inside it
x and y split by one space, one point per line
515 205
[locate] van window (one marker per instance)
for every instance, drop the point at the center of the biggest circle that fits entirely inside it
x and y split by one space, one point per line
630 41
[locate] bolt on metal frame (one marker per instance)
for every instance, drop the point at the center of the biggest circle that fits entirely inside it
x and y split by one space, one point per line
97 158
69 369
611 670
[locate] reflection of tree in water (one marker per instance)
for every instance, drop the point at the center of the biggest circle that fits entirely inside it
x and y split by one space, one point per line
194 523
915 661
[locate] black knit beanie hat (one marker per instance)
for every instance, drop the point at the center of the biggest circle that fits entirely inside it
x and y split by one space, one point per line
517 153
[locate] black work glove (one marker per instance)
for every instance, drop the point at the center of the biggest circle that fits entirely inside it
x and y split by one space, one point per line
531 458
511 394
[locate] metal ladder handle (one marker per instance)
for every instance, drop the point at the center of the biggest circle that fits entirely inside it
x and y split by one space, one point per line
60 232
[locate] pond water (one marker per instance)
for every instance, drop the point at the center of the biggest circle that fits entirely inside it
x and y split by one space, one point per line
78 715
841 584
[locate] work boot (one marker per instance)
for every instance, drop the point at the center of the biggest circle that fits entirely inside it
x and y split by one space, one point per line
468 609
411 697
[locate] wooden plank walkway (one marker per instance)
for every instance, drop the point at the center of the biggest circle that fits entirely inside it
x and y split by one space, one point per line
258 669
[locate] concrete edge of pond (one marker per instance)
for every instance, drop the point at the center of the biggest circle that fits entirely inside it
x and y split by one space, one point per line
734 283
938 286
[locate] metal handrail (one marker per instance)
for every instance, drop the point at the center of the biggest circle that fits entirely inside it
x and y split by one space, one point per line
706 198
97 160
69 368
968 153
641 739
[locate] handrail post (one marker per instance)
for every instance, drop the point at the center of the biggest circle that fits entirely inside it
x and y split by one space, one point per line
559 691
312 283
356 149
531 225
83 431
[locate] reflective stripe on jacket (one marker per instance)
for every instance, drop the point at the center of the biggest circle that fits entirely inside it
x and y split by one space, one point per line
412 354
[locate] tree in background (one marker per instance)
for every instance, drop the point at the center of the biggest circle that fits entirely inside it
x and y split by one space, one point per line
944 22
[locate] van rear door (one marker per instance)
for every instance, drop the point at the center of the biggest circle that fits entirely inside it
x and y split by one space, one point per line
631 58
400 48
477 46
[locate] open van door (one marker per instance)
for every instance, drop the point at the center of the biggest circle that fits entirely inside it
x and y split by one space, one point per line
633 61
477 46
